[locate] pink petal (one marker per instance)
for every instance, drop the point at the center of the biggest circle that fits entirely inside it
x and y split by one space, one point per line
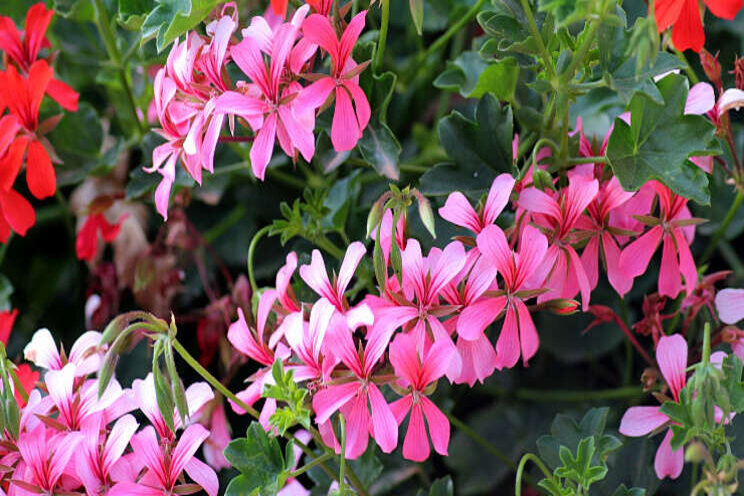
686 262
732 98
476 317
508 345
439 427
203 475
316 277
617 278
635 257
533 262
345 127
641 420
404 357
494 247
536 201
385 428
263 146
478 360
416 443
701 99
458 211
313 96
327 401
669 280
590 261
190 440
498 197
118 440
350 37
361 103
318 30
354 254
668 463
578 271
528 339
671 355
730 305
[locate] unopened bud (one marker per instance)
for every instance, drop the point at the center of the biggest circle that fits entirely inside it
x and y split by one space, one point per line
649 378
542 180
711 66
730 334
426 213
374 217
739 72
695 453
562 306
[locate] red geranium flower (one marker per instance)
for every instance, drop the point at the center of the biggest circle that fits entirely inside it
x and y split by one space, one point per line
685 16
86 244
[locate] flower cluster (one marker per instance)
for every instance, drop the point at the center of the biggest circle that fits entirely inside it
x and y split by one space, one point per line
23 84
64 437
194 94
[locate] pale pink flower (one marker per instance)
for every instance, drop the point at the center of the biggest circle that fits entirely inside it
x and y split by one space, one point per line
730 305
418 373
316 277
164 470
457 208
85 353
671 355
348 122
306 341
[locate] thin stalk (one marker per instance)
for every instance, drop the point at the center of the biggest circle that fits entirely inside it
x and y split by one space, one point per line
109 42
287 179
722 228
538 38
557 395
454 29
251 250
586 160
327 245
688 68
382 40
583 49
520 471
322 458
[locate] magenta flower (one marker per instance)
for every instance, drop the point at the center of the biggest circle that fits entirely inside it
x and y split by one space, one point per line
458 210
316 277
418 373
674 228
671 355
164 468
268 105
306 341
523 273
348 123
46 454
95 466
559 218
355 394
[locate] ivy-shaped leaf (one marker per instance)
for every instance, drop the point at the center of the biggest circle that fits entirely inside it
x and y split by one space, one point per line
172 18
627 81
659 142
580 468
258 457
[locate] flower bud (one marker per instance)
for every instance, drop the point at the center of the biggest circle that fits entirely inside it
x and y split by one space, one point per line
542 180
562 306
375 215
739 72
711 66
425 213
695 453
649 378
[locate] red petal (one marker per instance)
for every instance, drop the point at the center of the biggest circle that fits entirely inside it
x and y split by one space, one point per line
86 243
39 171
667 12
726 9
17 211
10 164
688 30
63 94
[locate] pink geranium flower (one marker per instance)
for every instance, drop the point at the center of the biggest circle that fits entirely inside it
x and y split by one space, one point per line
671 355
356 394
418 373
730 305
559 218
523 273
164 468
348 123
677 233
457 208
316 277
45 454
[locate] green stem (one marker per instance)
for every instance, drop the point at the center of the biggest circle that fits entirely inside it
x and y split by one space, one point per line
538 38
454 29
583 49
251 250
379 54
688 68
586 160
328 246
288 179
342 461
520 471
109 42
321 459
706 345
722 228
557 395
225 224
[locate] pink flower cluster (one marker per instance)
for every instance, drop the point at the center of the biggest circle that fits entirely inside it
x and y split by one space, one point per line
70 440
430 319
194 94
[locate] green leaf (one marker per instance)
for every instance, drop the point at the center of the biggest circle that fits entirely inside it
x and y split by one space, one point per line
660 141
440 487
580 468
172 18
624 491
259 458
132 13
485 143
500 79
417 14
462 73
627 82
566 12
380 147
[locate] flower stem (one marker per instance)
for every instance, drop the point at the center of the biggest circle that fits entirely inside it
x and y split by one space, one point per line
251 249
713 244
454 29
538 37
327 245
109 42
520 471
322 458
379 54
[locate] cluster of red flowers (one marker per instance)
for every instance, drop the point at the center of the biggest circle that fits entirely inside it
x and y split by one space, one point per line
23 84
